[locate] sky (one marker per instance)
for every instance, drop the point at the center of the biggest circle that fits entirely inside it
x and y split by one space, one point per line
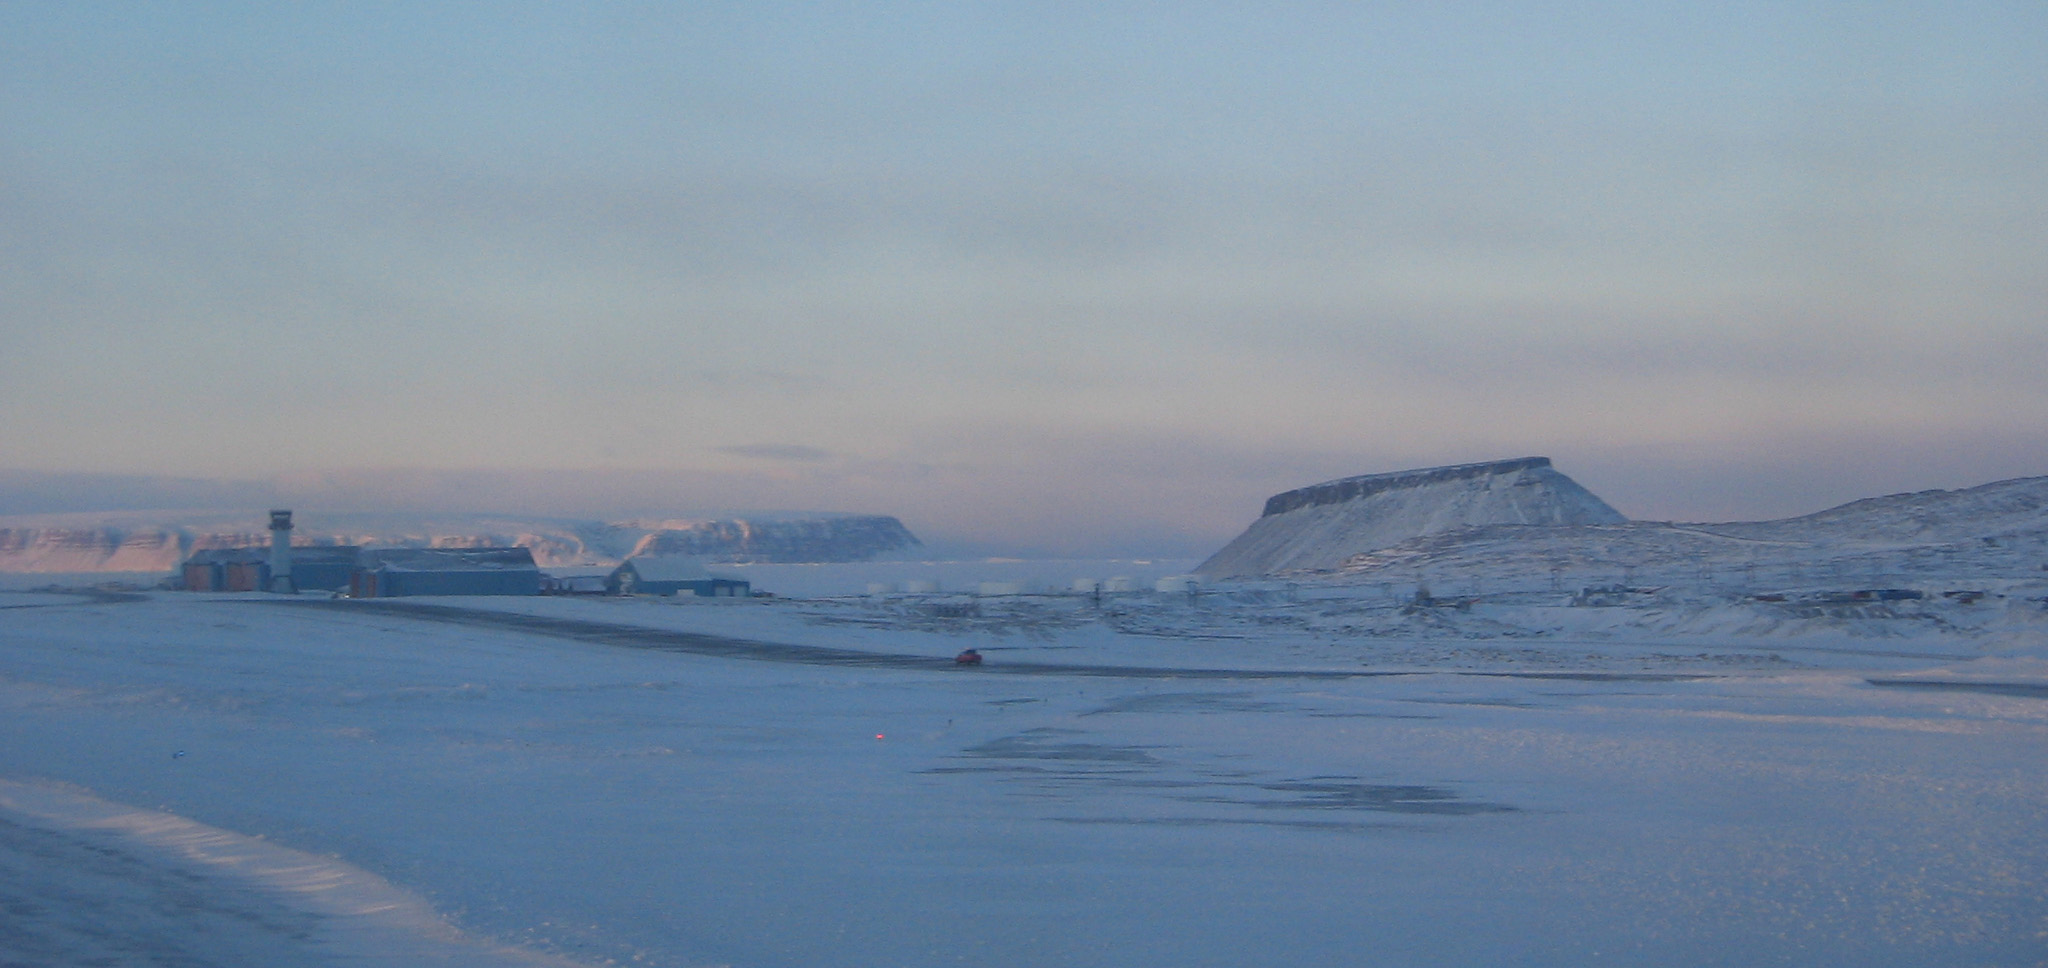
1064 278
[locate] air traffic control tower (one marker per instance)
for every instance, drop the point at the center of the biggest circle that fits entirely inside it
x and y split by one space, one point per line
281 552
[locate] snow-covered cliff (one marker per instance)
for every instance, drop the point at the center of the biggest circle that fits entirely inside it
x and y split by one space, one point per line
822 538
159 540
1321 527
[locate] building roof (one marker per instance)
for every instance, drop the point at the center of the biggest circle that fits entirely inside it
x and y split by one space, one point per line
667 568
579 571
301 554
228 556
449 559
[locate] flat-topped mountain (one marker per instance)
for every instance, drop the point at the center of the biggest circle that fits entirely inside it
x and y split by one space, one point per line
1319 528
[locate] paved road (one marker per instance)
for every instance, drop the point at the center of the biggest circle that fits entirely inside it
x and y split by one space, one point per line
726 647
2023 690
93 595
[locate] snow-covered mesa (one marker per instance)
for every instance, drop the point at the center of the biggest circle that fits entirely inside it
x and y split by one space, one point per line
1511 521
1317 528
1506 550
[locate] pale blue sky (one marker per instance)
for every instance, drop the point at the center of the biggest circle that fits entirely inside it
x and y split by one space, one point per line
1072 276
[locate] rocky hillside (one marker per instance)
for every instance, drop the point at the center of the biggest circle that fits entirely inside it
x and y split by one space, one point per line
1320 528
1983 535
159 540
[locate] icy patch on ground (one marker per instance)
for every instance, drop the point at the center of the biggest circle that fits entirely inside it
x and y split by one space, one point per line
89 881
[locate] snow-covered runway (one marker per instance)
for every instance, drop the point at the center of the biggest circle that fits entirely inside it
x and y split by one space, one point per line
571 797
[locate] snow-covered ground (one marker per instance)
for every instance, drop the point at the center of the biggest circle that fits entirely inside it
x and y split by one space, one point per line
1254 775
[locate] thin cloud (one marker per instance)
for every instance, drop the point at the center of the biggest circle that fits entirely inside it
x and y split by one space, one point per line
794 453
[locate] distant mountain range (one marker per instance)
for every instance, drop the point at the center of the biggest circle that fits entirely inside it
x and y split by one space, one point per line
158 540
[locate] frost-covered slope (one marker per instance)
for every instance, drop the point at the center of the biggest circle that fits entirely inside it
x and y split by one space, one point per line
158 540
1979 535
1319 528
2017 507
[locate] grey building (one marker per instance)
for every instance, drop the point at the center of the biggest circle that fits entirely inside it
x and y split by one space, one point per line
323 567
397 572
314 568
672 575
225 570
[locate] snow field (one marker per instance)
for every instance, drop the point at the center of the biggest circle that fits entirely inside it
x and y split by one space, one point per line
610 804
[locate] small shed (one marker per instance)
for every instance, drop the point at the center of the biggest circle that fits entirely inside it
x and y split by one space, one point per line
672 575
399 572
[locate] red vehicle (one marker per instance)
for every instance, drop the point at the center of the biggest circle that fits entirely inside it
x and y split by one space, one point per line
967 657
